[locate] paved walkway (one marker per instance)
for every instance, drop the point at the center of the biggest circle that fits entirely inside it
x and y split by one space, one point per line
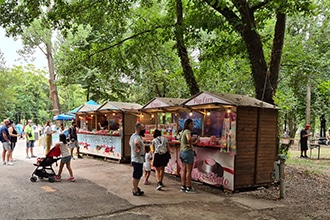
116 179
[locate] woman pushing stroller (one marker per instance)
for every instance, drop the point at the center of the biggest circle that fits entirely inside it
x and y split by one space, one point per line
66 159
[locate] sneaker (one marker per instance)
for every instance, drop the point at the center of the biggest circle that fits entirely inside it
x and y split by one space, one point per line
301 156
159 186
10 163
73 158
306 156
80 157
33 156
27 157
138 193
183 189
4 162
190 190
161 183
57 178
71 179
12 160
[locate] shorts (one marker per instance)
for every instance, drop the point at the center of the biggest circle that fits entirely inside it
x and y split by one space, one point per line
187 156
74 144
137 170
160 160
66 159
6 146
12 145
30 143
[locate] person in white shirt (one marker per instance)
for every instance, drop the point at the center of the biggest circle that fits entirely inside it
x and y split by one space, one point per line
66 159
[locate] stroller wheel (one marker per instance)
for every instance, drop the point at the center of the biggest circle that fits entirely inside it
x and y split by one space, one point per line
51 179
40 177
33 179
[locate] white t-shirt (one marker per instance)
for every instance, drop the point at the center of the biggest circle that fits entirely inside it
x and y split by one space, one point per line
48 130
64 149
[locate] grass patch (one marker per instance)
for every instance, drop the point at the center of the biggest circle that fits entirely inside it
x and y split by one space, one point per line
310 165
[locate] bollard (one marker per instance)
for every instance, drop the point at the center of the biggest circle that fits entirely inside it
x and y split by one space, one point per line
282 159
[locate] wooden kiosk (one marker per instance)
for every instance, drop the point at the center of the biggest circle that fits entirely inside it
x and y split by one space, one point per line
163 113
238 140
113 141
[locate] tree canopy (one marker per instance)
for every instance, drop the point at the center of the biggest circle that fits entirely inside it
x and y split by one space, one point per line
135 50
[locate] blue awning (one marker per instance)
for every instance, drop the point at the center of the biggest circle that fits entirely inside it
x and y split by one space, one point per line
63 117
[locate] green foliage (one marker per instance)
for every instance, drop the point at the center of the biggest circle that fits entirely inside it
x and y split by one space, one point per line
126 52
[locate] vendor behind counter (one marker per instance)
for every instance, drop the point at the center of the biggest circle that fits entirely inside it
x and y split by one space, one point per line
104 124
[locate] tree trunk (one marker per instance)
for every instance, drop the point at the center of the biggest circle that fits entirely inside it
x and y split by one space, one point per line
308 104
52 85
275 62
182 51
265 81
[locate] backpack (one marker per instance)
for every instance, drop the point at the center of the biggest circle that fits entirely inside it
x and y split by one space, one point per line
160 146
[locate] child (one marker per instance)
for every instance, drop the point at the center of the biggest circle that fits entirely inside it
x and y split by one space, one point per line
147 165
66 157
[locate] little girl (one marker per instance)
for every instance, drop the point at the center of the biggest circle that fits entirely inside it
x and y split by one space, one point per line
66 157
147 165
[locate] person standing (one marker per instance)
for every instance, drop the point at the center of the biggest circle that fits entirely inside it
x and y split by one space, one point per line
137 157
29 135
147 165
13 136
160 146
72 135
303 141
19 129
49 133
5 139
187 156
328 137
65 160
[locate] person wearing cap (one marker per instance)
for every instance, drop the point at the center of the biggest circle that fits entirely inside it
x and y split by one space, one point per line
5 139
29 134
303 141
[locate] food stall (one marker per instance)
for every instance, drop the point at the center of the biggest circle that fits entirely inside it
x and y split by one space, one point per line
112 141
163 114
238 139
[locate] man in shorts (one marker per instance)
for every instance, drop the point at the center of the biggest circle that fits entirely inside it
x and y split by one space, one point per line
5 139
137 157
73 139
29 134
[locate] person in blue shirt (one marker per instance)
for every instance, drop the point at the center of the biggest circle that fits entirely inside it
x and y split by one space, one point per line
5 139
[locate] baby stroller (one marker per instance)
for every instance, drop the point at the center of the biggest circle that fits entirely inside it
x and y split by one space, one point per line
44 166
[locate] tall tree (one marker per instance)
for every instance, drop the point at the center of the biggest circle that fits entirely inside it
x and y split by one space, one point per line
241 15
182 50
27 19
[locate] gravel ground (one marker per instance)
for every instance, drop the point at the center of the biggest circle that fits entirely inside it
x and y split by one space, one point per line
307 195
